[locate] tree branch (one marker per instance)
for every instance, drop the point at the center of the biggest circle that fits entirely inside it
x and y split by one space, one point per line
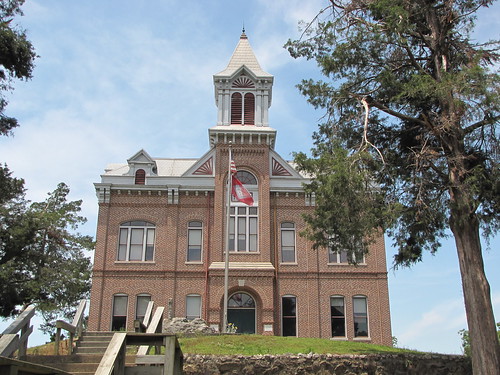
480 124
391 112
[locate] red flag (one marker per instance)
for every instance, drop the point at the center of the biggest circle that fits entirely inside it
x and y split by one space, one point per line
240 193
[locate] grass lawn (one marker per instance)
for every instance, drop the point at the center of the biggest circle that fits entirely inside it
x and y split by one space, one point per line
256 344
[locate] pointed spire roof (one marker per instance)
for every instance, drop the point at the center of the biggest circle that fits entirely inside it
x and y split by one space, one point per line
243 56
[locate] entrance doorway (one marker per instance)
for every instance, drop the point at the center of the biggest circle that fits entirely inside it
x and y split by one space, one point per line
241 312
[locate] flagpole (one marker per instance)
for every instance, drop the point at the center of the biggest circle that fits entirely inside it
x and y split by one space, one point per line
228 218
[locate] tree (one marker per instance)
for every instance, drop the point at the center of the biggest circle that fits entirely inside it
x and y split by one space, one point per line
42 260
415 104
17 57
464 336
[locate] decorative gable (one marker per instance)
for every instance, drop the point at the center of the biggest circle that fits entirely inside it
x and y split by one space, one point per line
277 169
141 165
206 169
203 167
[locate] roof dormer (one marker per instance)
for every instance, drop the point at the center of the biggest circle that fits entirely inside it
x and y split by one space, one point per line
141 165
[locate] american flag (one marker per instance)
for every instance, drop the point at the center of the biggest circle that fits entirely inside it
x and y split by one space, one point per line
233 167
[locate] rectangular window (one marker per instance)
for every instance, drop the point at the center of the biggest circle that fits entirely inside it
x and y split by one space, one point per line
289 315
136 241
141 306
341 257
360 316
193 306
195 237
338 316
119 319
243 230
287 242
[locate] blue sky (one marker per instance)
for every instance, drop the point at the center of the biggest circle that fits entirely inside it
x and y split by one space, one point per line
114 77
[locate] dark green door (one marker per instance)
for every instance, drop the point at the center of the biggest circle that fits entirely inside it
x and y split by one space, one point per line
241 312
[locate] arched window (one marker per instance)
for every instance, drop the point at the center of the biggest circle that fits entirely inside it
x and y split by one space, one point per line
246 178
249 118
243 225
360 310
243 109
236 108
136 241
141 306
193 306
337 312
119 318
140 177
289 315
195 241
288 243
241 312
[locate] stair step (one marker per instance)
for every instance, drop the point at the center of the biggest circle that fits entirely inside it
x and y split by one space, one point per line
91 350
85 343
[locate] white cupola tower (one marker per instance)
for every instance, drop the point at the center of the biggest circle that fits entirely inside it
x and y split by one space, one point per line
243 90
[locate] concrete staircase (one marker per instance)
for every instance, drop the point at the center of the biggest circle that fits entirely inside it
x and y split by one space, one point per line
86 357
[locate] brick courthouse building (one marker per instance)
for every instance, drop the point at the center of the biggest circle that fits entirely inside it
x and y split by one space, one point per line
161 235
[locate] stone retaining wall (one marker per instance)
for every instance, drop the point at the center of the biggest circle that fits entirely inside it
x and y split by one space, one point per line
376 364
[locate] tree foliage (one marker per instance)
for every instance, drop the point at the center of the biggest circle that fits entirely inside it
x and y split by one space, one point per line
17 57
43 260
416 102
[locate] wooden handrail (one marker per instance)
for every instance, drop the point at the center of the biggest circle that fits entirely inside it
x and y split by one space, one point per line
153 326
113 361
11 341
74 328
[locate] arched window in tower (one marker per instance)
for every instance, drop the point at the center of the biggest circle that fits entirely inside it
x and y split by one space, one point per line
236 108
249 102
243 222
140 177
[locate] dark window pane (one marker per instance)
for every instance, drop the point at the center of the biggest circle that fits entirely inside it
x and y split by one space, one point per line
289 327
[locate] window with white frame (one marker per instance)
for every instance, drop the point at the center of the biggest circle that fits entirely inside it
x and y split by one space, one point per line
337 312
336 255
289 315
342 257
193 306
360 310
243 222
136 241
141 306
195 240
242 108
119 316
288 242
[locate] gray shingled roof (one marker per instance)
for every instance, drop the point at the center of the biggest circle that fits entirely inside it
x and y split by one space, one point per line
166 167
243 55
